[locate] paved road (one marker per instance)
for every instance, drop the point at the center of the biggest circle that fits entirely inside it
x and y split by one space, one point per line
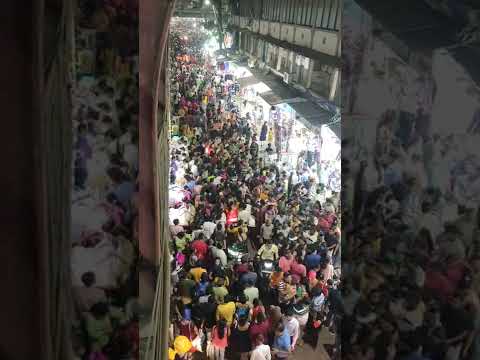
306 352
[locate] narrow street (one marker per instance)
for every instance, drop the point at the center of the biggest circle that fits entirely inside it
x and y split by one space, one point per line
252 209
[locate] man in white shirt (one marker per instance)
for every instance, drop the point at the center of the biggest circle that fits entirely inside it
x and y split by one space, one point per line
261 351
266 230
295 178
217 180
244 215
281 218
311 235
194 169
208 229
251 292
292 325
320 195
219 253
176 227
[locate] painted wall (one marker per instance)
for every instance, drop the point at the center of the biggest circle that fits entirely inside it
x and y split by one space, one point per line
287 32
303 36
256 26
326 42
321 40
275 30
264 27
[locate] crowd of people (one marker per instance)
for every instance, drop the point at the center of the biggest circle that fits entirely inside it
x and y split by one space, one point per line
410 255
104 177
254 242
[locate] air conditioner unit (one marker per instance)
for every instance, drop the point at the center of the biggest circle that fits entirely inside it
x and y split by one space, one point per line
286 77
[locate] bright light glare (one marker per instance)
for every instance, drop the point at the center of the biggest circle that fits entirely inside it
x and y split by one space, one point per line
331 144
207 2
211 46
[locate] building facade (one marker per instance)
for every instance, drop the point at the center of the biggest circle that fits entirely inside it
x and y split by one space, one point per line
298 40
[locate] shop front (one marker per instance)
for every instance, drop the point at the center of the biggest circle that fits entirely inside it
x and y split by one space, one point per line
313 151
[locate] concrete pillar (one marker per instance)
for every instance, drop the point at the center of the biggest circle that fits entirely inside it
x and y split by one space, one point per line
334 84
311 64
279 59
291 61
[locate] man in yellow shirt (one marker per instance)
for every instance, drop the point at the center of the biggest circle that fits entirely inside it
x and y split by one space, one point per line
268 251
197 272
226 310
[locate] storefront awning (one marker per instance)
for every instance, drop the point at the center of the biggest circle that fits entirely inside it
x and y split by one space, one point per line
313 113
281 93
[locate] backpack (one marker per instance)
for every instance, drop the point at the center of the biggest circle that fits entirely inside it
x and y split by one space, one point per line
242 312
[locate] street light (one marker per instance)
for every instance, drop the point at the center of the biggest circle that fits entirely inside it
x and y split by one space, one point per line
207 2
